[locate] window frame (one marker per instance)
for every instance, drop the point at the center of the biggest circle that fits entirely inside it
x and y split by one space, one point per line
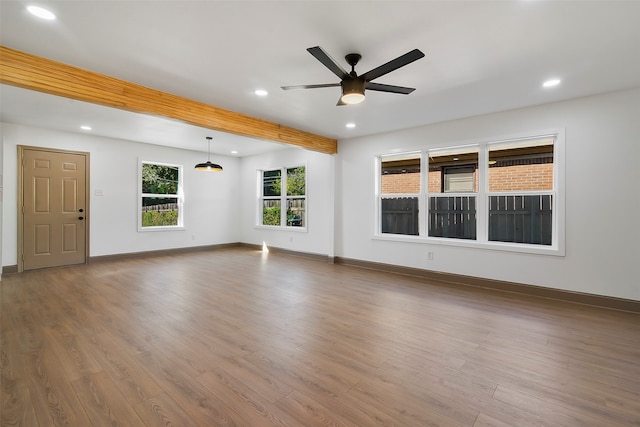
283 198
557 247
179 198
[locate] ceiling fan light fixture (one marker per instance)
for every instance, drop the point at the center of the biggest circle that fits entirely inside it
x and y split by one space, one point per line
352 97
208 165
352 91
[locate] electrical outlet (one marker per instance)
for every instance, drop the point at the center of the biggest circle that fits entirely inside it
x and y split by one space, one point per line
430 256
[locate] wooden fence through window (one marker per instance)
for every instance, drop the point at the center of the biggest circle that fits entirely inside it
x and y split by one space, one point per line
452 216
521 219
164 207
512 218
400 216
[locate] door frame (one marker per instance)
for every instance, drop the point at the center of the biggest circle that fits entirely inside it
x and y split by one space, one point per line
21 150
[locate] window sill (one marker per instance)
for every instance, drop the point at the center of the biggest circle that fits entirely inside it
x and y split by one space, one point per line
497 246
166 228
281 228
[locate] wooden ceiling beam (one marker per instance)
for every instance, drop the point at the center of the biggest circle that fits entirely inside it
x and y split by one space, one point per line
43 75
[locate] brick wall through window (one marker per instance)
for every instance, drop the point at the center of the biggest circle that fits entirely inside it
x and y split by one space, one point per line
523 175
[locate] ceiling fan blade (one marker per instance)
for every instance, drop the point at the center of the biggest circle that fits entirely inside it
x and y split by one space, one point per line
388 88
392 65
328 62
310 86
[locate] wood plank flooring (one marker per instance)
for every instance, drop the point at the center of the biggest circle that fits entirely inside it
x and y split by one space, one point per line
234 337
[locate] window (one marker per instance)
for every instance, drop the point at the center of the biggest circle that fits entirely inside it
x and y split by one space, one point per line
452 195
399 190
160 196
459 179
273 198
502 193
296 197
521 191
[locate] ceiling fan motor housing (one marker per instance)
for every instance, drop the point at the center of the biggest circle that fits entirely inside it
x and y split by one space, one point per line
352 90
352 85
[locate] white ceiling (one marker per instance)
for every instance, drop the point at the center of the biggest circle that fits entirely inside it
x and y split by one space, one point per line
481 57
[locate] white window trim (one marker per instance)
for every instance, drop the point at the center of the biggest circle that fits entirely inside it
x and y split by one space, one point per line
283 199
557 248
180 197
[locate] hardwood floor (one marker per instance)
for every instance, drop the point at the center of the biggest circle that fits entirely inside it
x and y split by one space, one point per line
235 337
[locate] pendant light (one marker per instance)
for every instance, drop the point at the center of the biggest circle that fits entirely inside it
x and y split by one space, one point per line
208 166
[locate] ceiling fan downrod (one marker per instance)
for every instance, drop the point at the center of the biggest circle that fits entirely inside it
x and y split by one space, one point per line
353 59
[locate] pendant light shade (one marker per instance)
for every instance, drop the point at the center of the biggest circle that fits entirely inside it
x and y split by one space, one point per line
208 166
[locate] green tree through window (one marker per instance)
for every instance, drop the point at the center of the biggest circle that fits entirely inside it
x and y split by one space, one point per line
161 195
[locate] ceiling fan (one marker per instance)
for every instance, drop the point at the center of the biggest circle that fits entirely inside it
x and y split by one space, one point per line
353 85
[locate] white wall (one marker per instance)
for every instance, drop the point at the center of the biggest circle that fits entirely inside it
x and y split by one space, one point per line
602 174
318 239
212 197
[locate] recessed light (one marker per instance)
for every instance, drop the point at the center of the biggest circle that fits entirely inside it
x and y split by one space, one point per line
261 92
551 83
85 127
351 125
234 152
41 12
